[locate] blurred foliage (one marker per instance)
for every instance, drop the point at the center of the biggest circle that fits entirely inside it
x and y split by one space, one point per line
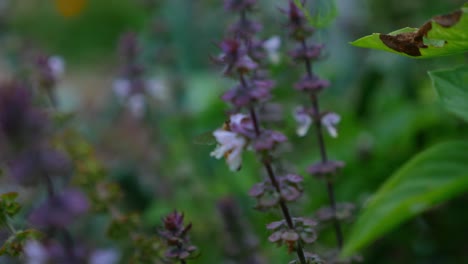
389 113
436 175
452 89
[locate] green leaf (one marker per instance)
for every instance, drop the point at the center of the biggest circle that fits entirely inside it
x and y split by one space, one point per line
452 87
8 205
13 246
436 175
441 36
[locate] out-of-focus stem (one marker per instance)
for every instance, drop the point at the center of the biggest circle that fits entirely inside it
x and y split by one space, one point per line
324 159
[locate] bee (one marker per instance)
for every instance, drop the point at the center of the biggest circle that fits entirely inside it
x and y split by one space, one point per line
207 138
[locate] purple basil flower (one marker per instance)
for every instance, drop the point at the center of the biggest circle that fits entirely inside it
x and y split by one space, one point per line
298 28
60 210
51 251
325 169
243 94
311 52
234 56
20 123
128 46
267 196
239 5
311 84
242 124
245 28
268 140
175 233
34 165
49 69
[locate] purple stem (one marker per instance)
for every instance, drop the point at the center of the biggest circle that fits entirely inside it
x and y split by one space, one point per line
271 174
323 153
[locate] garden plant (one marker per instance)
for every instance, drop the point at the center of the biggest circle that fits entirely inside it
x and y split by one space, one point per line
234 131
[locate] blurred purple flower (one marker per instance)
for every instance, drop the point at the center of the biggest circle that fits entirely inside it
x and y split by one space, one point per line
244 94
268 140
311 84
128 46
234 56
32 166
51 251
297 26
60 210
325 169
20 123
239 5
311 52
49 70
245 28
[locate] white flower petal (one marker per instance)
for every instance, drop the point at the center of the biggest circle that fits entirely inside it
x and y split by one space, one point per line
35 253
136 104
330 121
108 256
231 146
272 46
157 89
234 159
57 66
237 119
121 88
304 121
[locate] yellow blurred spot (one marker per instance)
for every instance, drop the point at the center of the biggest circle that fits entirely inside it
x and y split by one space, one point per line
70 8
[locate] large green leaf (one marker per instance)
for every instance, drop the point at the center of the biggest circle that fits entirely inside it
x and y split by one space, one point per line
440 36
452 87
434 176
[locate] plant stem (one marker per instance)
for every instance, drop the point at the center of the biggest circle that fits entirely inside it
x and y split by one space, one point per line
9 226
323 151
323 155
271 174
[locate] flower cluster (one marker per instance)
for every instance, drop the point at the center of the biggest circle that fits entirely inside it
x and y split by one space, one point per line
267 196
283 234
132 87
312 85
51 251
49 70
242 57
60 210
23 138
239 134
31 159
175 233
303 117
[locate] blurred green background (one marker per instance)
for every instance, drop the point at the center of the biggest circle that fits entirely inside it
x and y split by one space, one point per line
389 112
